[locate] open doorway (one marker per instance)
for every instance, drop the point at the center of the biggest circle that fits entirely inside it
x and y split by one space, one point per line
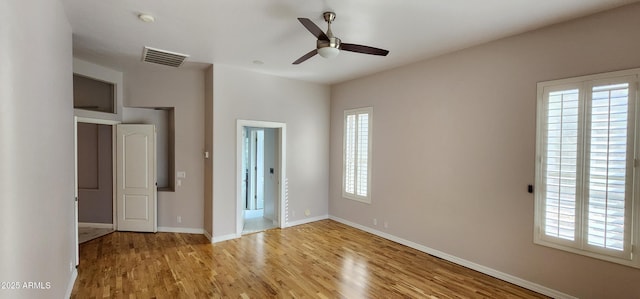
259 188
95 172
261 165
95 180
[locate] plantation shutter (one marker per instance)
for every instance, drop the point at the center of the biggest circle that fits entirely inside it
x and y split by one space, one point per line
586 166
363 154
350 154
610 164
357 157
560 164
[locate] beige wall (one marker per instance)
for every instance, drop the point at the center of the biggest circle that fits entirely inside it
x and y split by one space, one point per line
36 151
184 90
454 145
304 107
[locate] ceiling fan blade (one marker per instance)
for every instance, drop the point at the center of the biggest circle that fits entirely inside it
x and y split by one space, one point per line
313 28
363 49
306 56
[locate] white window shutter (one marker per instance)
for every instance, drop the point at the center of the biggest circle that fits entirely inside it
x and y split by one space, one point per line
357 154
608 163
350 154
363 154
586 174
561 165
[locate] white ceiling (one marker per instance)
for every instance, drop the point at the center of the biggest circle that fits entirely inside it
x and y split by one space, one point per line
243 31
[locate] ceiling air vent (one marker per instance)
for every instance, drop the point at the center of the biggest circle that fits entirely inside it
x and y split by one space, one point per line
163 57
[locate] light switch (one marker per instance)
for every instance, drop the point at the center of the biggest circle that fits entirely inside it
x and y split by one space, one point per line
182 174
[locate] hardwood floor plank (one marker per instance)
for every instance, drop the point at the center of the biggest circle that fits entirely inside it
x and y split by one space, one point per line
324 259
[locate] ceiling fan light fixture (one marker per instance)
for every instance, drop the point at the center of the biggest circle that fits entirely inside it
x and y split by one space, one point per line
328 52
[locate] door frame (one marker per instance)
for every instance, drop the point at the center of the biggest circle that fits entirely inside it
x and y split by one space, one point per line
112 123
282 165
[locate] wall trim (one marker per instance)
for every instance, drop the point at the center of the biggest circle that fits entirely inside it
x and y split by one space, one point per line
183 230
95 225
306 220
462 262
225 238
72 282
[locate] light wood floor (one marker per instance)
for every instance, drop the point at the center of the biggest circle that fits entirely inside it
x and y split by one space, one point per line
324 259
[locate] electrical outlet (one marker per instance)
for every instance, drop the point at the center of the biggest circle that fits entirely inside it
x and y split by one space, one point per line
70 266
386 224
375 221
307 212
179 219
179 183
293 212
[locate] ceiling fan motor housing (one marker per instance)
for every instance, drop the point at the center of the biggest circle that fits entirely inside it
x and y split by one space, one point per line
333 42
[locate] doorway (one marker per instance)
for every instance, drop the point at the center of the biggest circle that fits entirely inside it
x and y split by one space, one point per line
95 180
259 188
260 182
141 139
78 122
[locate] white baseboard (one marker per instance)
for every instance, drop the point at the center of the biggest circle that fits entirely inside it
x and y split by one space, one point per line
306 220
95 225
184 230
225 238
72 281
465 263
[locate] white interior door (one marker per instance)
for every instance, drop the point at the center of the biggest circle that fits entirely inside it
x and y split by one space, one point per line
136 178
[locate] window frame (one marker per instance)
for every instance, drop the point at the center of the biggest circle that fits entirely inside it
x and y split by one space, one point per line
580 245
345 194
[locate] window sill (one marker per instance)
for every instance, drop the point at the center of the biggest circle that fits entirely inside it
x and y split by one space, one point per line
634 262
366 200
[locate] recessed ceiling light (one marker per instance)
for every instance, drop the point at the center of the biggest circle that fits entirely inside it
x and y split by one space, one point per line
146 18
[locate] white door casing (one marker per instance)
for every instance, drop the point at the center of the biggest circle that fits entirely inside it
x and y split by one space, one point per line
136 178
75 188
281 201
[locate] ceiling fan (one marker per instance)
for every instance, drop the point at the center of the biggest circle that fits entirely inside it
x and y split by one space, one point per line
328 45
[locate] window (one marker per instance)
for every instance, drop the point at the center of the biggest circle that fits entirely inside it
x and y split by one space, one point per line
586 179
357 154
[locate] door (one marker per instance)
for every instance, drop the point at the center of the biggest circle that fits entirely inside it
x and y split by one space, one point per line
136 178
